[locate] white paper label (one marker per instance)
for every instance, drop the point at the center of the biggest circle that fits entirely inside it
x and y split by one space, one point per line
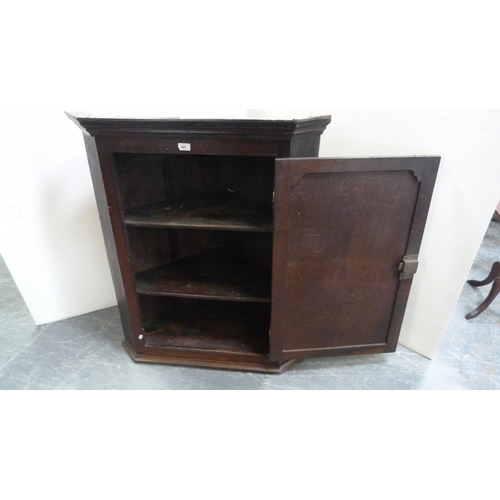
184 146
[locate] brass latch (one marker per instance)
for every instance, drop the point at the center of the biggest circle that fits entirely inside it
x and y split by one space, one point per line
408 267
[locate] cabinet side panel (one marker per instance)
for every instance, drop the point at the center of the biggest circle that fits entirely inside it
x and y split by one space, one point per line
103 180
305 145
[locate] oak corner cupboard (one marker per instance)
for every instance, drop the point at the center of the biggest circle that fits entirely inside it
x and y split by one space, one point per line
232 245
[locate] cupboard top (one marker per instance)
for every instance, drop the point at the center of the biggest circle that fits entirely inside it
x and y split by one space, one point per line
96 126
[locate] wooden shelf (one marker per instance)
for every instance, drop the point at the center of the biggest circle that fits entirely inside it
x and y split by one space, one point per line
222 210
214 274
212 325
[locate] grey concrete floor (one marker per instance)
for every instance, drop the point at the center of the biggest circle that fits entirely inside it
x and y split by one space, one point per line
86 353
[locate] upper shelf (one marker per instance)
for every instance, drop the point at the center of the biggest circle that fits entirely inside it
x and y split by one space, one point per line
222 210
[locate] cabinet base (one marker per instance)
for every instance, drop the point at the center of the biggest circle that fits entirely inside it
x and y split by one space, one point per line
261 366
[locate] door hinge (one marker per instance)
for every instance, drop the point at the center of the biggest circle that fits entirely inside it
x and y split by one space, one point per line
408 267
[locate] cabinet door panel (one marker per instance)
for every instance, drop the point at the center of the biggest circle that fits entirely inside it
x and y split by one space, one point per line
342 229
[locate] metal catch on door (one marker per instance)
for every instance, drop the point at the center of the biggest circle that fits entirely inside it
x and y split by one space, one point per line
408 267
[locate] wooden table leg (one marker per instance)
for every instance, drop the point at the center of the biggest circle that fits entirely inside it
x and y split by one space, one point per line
495 290
494 273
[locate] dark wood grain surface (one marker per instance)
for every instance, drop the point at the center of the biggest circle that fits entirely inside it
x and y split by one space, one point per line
342 229
217 273
212 210
212 325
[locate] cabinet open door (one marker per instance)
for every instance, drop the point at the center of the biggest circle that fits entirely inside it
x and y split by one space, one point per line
347 233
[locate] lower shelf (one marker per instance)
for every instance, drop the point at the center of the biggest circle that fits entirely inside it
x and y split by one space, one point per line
211 325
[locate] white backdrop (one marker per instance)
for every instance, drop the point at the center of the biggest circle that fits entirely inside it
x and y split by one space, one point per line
466 194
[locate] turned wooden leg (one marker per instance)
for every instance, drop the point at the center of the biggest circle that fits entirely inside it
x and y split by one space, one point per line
494 273
495 290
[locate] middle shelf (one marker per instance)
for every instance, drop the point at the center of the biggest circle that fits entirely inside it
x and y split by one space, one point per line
213 274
